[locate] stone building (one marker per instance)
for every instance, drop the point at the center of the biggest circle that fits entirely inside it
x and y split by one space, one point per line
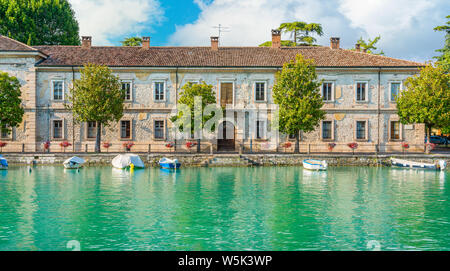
358 91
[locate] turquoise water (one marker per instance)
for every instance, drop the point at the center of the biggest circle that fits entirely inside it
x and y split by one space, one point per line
224 209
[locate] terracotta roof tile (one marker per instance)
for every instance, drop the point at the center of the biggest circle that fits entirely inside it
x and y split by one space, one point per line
8 44
205 57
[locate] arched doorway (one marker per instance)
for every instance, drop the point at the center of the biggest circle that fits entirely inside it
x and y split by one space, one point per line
226 136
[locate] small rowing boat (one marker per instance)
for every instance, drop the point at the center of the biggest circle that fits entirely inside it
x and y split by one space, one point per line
128 160
440 165
169 163
316 165
3 163
74 163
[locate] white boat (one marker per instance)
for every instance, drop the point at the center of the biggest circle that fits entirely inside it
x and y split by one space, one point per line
126 160
169 163
3 163
440 165
316 165
74 163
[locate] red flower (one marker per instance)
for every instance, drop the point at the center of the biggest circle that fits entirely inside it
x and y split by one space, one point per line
128 145
64 144
3 144
331 146
353 145
287 145
106 145
169 145
191 144
405 145
47 145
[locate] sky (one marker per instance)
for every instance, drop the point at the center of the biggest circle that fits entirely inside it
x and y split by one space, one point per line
405 26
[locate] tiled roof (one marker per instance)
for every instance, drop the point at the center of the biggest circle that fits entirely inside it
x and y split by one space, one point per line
8 44
206 57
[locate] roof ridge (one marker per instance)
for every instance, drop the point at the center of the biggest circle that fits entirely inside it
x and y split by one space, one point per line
382 56
21 43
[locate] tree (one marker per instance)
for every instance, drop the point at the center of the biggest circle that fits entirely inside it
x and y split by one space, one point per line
187 97
11 111
134 41
297 94
444 59
285 43
97 97
426 99
370 45
301 31
42 22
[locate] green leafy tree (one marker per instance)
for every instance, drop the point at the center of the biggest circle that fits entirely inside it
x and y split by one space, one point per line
39 22
11 111
285 43
297 94
97 97
301 31
369 46
444 59
133 41
187 97
426 99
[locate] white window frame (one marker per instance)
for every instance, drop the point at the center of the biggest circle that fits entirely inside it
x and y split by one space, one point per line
400 127
332 130
232 81
254 91
52 127
264 130
332 91
390 89
87 133
164 82
131 130
366 96
366 131
164 129
53 90
131 89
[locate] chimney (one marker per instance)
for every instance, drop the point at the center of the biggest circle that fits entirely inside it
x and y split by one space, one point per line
215 43
335 42
358 47
276 39
146 42
86 42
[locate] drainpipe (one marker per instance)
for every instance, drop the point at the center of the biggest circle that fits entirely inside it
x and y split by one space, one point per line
73 118
379 109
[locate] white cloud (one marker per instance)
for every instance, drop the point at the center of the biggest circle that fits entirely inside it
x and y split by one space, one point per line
405 26
105 20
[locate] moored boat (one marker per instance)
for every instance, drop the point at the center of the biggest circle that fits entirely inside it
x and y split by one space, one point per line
169 163
128 160
440 165
3 163
317 165
74 163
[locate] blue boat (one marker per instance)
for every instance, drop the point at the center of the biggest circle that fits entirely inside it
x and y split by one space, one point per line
169 163
3 163
440 165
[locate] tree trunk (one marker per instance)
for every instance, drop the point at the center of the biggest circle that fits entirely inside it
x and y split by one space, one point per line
198 145
99 138
297 143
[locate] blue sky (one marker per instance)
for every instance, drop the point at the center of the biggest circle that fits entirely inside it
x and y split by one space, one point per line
405 26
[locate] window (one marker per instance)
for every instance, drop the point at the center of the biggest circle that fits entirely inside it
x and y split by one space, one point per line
395 130
247 125
58 129
58 90
125 129
395 90
361 130
327 92
361 92
292 136
126 86
327 132
91 130
260 129
4 133
159 91
260 89
159 129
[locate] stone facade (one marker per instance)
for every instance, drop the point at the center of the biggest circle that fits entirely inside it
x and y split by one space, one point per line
377 111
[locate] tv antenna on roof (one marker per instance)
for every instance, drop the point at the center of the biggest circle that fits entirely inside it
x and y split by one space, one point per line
222 29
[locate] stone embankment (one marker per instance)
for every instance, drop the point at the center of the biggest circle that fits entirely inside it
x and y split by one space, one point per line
232 160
